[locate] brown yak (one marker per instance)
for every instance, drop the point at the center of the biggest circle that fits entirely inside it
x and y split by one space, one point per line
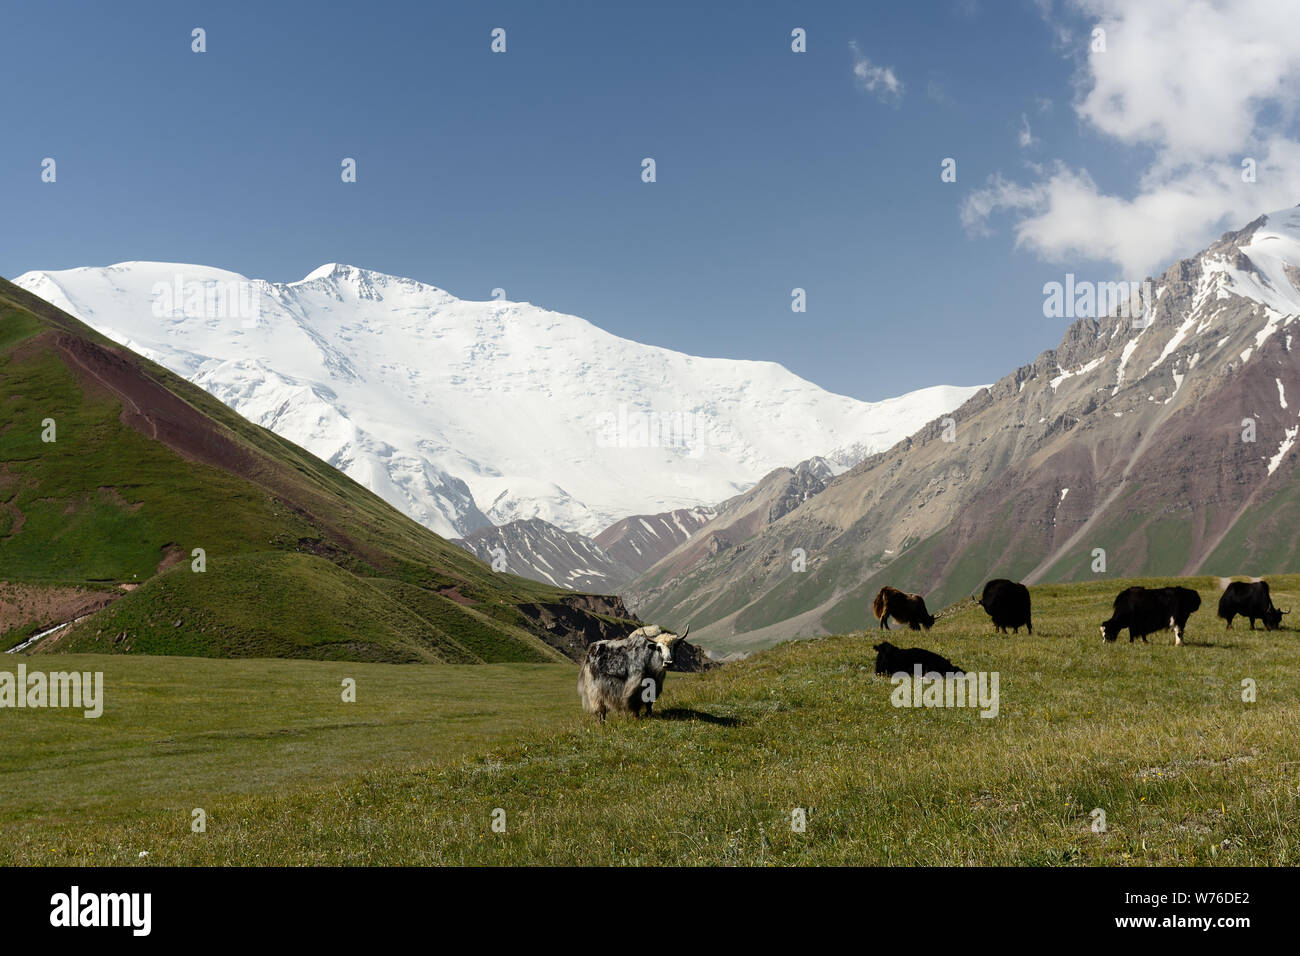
904 608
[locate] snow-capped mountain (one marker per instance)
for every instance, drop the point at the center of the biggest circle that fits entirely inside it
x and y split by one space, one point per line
464 414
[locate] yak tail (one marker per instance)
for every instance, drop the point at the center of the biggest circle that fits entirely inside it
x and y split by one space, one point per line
879 606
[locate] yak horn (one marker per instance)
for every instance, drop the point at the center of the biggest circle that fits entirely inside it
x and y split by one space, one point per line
685 632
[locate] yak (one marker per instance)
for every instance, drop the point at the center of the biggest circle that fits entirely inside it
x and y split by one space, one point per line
892 660
1147 610
904 608
1007 603
1250 600
627 673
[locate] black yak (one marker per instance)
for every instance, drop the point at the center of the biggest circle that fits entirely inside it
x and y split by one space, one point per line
1007 603
1250 600
892 660
1147 610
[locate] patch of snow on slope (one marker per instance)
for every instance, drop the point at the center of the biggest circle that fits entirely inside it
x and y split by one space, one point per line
1274 320
1285 447
1178 383
1081 370
1174 341
1124 356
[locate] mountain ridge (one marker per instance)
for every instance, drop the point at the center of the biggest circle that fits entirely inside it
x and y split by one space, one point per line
540 551
442 405
1126 438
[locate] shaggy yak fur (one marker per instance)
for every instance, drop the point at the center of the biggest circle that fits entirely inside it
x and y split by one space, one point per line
1007 603
904 608
627 674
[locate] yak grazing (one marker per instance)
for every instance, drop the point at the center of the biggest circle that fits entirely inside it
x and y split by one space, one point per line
904 608
1147 610
627 674
1007 603
1250 600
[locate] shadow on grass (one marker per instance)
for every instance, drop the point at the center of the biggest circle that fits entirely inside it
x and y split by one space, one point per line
685 713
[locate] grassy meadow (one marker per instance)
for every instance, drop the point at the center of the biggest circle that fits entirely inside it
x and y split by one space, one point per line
1156 736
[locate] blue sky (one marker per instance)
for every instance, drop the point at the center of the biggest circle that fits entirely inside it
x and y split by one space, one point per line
775 170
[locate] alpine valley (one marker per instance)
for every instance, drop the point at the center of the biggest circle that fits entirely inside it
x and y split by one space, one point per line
737 497
1158 446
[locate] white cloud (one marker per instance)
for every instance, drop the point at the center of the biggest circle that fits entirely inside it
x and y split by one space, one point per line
999 194
881 81
1026 135
1191 78
1200 85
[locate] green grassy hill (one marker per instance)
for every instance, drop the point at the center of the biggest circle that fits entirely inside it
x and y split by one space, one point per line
1156 736
300 560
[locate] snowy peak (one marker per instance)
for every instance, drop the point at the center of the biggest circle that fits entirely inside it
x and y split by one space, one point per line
1209 312
467 413
351 283
329 270
1267 268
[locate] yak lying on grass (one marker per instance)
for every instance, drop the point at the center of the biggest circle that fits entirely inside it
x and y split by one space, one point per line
627 674
891 660
904 608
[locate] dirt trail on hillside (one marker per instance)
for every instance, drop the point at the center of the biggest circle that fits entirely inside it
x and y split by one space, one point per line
121 393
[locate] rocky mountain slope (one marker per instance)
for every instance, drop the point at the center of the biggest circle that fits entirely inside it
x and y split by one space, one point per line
1163 445
538 550
464 414
640 541
736 522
